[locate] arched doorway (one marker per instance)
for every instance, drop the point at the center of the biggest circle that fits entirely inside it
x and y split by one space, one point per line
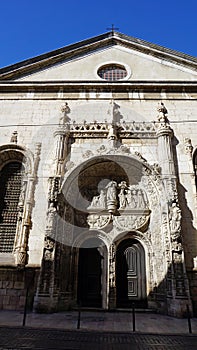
130 274
91 273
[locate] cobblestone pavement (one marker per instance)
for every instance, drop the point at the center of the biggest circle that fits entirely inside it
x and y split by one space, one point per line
25 338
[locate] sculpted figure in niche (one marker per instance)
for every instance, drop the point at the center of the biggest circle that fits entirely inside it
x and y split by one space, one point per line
99 201
111 191
131 202
121 195
50 216
141 200
122 199
175 218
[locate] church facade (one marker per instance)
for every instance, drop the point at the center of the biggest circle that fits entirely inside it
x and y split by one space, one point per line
98 172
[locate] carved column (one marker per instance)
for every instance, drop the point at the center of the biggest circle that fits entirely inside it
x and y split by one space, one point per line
165 152
48 288
62 137
26 202
178 291
112 276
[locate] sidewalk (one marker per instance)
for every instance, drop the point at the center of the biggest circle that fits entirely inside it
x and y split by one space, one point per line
101 321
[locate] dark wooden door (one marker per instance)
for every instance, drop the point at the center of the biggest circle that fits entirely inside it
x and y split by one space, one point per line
89 277
130 274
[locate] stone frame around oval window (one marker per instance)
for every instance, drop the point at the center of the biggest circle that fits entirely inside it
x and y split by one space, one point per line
110 63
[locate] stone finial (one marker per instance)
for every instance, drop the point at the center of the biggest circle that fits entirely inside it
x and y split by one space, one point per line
14 137
65 109
162 113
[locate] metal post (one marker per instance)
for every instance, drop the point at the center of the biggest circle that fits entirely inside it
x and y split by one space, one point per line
133 315
189 320
25 308
79 317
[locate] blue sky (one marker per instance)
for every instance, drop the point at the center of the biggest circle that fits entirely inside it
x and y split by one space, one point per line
31 27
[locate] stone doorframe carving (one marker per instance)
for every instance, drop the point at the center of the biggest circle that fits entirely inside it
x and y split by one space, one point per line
13 152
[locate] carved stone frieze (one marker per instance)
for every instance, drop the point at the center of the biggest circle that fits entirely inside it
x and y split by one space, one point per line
132 220
128 204
106 130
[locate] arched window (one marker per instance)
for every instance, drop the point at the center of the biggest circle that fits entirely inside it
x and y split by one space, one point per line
10 189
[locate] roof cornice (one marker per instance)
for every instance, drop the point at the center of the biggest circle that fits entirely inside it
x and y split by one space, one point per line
80 86
91 45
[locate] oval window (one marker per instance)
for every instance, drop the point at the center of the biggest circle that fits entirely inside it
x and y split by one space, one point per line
112 72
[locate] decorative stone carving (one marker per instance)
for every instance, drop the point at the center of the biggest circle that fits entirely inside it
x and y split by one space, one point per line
162 113
96 221
123 129
112 135
54 183
14 137
111 196
87 154
22 194
24 224
64 117
128 204
69 165
188 146
99 201
138 154
175 218
112 267
122 196
48 249
175 226
102 149
134 221
51 213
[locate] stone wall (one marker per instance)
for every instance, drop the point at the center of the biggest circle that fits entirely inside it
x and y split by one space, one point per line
13 288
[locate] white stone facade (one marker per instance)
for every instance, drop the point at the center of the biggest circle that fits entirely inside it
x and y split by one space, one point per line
108 163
